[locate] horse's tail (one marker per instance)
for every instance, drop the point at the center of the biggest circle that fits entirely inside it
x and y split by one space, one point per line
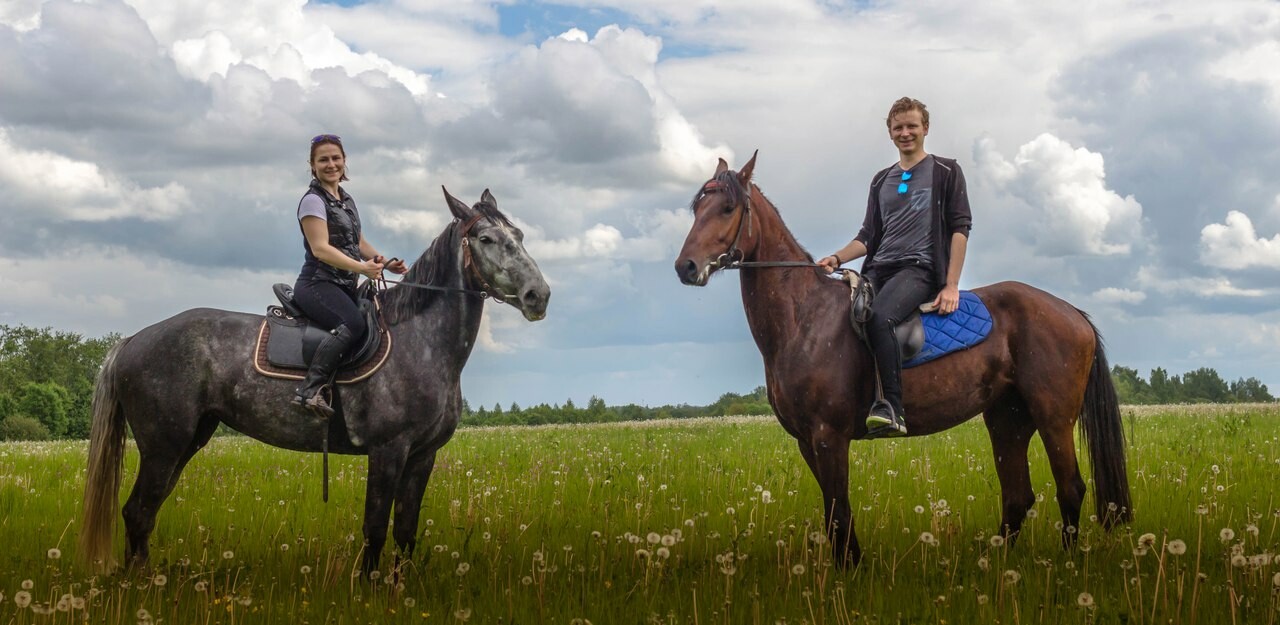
1104 436
106 462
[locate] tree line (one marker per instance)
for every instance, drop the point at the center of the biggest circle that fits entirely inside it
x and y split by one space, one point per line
46 391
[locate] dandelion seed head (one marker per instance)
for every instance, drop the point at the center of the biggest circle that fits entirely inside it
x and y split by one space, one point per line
1177 547
663 553
526 580
143 614
305 570
997 541
983 599
1226 534
984 563
1239 560
160 580
919 509
409 602
1084 600
653 538
797 569
201 586
1147 539
928 539
375 575
228 554
55 553
22 599
1011 576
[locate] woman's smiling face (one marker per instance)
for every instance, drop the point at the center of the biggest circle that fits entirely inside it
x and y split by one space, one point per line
328 164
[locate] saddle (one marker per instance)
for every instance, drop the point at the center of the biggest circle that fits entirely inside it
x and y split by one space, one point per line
924 335
287 340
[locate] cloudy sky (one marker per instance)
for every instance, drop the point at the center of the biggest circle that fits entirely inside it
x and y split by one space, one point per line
1121 155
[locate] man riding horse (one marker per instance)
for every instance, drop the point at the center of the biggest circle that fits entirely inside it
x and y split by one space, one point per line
914 236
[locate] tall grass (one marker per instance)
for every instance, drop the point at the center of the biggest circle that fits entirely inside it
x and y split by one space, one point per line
703 521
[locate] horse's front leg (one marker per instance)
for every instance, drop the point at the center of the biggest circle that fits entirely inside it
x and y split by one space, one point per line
386 463
413 484
827 453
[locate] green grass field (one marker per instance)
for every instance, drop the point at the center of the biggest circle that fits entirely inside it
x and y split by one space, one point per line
704 521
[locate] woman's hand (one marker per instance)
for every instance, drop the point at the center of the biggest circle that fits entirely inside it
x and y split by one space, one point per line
370 269
396 265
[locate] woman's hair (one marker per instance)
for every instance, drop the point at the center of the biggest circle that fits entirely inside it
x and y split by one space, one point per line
320 140
902 105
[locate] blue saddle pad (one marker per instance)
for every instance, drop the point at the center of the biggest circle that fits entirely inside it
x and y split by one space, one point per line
967 326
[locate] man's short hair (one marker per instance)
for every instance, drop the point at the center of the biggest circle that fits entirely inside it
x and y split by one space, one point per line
902 105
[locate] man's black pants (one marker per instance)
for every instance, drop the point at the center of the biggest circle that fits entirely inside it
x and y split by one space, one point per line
900 289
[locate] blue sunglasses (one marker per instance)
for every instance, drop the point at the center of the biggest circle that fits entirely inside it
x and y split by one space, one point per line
902 186
333 138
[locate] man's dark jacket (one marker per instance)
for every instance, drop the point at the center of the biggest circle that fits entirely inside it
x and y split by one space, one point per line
950 211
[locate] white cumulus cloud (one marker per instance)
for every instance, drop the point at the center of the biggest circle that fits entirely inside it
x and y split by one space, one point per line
1072 212
75 190
1113 295
1236 245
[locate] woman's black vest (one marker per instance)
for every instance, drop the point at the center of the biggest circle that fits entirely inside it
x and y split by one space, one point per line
343 221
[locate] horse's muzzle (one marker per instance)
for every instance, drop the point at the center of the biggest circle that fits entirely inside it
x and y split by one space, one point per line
690 273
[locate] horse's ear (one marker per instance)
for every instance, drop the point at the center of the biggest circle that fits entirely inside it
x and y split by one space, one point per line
456 206
488 198
721 168
745 175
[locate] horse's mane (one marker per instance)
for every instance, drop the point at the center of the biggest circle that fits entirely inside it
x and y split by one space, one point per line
727 182
435 267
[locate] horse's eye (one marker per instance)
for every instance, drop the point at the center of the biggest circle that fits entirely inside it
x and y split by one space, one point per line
728 208
484 238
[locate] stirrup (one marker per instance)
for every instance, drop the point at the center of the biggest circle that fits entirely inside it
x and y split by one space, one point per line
316 403
884 421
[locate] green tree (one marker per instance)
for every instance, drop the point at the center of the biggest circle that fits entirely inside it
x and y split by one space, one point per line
20 427
1205 385
1130 387
47 403
1250 390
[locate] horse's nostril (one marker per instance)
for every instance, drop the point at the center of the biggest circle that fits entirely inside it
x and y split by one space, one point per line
687 270
530 297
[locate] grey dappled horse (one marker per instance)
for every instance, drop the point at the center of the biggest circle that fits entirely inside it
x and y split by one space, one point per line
175 381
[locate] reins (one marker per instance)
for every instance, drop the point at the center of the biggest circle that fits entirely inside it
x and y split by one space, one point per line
486 291
732 258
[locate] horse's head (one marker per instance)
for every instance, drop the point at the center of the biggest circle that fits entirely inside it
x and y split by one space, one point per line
721 231
493 248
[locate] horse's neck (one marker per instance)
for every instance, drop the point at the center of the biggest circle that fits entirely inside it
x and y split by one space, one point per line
775 298
444 331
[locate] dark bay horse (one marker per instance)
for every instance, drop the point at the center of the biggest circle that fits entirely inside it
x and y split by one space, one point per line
175 381
1041 369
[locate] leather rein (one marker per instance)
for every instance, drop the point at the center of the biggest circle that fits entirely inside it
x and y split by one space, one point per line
733 257
468 263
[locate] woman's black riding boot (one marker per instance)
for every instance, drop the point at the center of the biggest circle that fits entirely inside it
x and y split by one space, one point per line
323 365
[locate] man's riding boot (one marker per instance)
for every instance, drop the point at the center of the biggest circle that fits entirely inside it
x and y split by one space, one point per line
888 413
323 365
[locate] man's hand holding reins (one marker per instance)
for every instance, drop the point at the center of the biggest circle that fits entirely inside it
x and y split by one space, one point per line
829 263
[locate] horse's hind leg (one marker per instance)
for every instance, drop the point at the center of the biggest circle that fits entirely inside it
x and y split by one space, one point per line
1061 448
1010 427
158 472
155 474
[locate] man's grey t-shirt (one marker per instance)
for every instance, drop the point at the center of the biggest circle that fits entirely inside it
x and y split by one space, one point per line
908 220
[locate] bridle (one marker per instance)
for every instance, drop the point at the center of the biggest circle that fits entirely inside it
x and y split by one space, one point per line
732 258
468 264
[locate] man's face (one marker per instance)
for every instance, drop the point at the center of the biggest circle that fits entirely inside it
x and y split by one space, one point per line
907 130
